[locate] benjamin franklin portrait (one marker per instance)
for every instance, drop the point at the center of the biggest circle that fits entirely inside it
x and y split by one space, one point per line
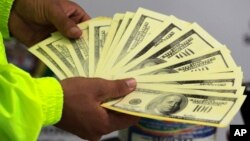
167 104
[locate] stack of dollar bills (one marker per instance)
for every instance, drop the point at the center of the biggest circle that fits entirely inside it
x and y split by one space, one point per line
183 73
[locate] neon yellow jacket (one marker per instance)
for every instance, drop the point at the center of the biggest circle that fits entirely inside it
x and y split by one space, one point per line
26 104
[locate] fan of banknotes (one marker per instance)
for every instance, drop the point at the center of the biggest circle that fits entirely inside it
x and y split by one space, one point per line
183 73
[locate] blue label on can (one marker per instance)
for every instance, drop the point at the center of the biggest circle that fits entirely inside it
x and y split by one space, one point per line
154 130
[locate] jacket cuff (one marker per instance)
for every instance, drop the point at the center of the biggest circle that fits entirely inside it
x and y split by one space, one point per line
51 94
5 8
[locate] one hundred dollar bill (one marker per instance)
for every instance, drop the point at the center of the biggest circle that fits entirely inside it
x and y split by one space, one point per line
115 25
169 29
102 66
190 42
222 90
57 47
203 109
141 26
80 49
205 80
201 89
98 31
213 60
81 46
39 52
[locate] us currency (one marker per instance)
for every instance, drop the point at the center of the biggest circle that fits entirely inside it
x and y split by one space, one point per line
48 60
122 28
191 41
194 84
209 88
84 26
205 80
169 29
222 90
58 48
116 24
213 60
211 110
81 46
204 91
98 31
227 90
80 49
186 74
141 26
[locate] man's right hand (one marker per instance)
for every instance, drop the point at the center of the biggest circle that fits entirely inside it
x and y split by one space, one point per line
32 21
82 113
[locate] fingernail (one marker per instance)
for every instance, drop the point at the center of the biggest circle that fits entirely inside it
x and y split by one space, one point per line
131 83
75 31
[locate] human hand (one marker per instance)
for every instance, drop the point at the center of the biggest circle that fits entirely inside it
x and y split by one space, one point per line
33 20
82 113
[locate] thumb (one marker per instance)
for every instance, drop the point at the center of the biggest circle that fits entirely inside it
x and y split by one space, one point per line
118 88
67 27
64 24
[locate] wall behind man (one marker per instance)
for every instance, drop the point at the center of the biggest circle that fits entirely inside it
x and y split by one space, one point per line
226 20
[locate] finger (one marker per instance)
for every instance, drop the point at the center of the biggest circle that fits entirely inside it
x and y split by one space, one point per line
97 138
117 88
121 121
62 21
66 26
